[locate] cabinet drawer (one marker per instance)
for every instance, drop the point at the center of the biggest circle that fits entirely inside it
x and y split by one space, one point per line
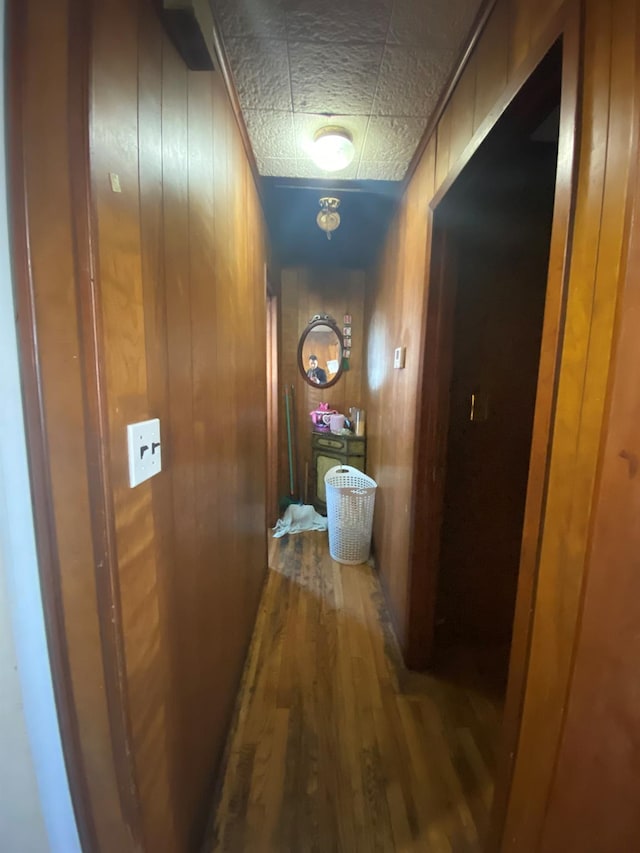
329 443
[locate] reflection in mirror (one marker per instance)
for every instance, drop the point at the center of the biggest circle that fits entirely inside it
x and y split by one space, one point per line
320 352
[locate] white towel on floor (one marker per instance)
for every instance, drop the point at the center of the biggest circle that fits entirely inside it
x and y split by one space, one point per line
298 518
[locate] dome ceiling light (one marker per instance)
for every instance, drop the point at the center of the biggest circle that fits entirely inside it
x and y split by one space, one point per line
328 219
332 149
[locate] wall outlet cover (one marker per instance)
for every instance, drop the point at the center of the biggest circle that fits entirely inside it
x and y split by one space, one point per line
145 451
399 355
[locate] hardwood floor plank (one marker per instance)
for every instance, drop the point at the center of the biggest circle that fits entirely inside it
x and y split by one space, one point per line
336 747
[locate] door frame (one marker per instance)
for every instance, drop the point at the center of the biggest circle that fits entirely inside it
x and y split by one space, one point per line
432 399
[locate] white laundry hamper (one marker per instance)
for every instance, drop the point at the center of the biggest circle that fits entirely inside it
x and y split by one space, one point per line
351 497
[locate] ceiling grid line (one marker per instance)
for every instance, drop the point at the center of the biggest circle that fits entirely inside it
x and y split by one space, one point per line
375 95
376 67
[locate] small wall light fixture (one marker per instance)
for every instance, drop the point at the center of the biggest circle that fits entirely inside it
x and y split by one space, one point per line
332 149
328 219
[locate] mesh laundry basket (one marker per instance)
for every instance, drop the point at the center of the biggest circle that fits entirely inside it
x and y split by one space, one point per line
350 499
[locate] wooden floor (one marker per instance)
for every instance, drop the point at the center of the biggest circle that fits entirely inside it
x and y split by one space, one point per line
336 747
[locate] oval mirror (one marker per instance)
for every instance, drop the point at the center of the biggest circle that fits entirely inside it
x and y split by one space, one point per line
320 352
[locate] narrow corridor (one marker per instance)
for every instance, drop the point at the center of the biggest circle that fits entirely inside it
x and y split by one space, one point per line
336 747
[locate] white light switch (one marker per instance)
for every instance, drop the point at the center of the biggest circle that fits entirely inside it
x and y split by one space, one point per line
145 459
399 356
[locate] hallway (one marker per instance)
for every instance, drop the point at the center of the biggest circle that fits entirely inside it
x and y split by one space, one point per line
336 747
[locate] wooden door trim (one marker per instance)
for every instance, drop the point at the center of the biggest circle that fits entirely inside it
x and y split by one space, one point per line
435 374
93 426
565 25
546 399
39 474
103 528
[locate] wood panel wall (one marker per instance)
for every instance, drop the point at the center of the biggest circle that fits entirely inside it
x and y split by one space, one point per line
595 800
305 292
148 302
515 37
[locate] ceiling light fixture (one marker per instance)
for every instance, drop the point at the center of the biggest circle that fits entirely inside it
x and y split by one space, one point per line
332 149
328 219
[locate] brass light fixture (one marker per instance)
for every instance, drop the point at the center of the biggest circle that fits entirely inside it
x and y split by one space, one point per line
328 219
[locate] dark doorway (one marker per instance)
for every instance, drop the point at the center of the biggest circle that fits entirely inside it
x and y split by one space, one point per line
498 220
492 234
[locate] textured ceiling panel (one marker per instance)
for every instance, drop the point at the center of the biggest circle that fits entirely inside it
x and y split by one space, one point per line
335 21
264 18
376 67
271 134
390 138
261 72
433 24
278 167
334 78
411 80
380 170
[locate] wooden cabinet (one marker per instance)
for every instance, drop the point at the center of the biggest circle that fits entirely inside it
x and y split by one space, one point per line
329 450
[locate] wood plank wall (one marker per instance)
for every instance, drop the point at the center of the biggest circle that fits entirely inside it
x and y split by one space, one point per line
305 292
514 36
171 291
595 801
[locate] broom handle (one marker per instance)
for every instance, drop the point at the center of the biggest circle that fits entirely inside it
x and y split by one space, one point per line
289 451
294 430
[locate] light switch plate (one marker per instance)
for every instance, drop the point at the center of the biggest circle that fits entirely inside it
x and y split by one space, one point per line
145 457
399 357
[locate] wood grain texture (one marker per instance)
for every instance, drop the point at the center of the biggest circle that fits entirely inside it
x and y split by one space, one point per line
593 258
606 156
491 64
394 316
336 746
594 802
53 274
149 302
305 292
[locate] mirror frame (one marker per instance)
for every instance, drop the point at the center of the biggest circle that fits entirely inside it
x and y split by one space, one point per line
320 320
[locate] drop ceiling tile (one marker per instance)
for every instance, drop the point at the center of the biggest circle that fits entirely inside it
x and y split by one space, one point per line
439 24
305 126
334 78
382 170
339 20
278 167
261 72
263 18
271 134
391 138
411 80
308 169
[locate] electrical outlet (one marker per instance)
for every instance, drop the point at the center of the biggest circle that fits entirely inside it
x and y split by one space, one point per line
145 457
399 357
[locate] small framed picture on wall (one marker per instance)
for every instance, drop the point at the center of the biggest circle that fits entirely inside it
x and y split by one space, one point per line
346 332
347 319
